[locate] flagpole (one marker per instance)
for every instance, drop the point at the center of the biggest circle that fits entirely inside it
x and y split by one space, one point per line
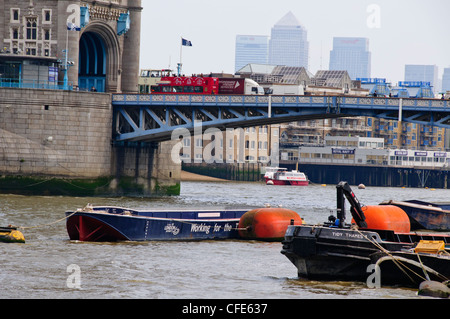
181 55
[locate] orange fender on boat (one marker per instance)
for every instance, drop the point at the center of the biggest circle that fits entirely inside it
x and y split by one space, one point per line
267 223
386 217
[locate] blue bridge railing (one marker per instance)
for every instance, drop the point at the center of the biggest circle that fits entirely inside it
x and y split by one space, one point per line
33 84
261 100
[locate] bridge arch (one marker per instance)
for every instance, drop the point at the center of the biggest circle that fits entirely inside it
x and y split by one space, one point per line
99 58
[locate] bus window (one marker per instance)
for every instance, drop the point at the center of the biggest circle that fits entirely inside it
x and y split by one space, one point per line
198 89
188 89
177 89
166 89
155 88
142 88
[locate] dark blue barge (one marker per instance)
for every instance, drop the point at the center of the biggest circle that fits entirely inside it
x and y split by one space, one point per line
109 224
425 215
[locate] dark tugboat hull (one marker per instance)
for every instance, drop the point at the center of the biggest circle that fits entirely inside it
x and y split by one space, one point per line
338 251
325 253
332 268
410 269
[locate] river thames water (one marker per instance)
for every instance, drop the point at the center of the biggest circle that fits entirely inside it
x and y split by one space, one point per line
44 266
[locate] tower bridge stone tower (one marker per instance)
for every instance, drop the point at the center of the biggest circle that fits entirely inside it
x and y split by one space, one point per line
106 49
102 50
54 132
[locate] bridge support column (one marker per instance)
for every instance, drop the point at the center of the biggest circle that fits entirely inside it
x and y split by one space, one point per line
145 169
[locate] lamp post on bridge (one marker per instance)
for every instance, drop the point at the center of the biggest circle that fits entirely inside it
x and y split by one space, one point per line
66 66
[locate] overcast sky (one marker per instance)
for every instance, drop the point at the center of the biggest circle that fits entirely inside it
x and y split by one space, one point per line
400 31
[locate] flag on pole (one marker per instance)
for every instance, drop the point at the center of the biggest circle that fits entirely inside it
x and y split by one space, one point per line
72 26
186 43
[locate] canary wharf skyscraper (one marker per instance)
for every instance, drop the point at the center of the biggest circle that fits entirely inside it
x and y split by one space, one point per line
351 55
288 43
251 49
446 80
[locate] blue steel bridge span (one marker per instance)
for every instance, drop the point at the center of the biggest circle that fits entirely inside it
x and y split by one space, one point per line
147 117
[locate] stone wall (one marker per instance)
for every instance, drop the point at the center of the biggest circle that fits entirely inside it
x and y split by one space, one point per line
65 137
146 168
55 133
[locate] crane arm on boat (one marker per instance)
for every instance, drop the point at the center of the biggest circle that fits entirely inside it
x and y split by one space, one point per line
343 189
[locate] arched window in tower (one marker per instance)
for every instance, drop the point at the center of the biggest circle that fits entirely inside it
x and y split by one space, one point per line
31 29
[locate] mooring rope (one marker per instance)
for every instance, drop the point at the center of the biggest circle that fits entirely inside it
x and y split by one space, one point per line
396 259
45 225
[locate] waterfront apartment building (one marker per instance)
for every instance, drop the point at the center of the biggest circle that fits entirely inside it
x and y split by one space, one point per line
238 145
424 73
351 55
288 43
314 132
407 135
396 135
251 49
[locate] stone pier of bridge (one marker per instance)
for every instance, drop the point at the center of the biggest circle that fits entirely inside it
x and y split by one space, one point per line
55 142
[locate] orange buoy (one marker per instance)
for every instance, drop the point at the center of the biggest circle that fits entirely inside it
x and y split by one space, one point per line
386 217
267 223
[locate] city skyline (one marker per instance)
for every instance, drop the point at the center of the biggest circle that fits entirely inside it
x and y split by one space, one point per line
400 32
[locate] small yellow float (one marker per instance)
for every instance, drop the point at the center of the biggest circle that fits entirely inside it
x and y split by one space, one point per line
11 235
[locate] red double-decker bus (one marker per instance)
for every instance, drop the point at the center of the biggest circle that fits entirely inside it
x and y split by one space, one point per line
186 85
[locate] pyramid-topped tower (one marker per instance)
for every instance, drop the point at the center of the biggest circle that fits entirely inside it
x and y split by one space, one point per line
289 44
289 20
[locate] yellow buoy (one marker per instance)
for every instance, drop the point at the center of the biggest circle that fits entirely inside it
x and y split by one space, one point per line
11 235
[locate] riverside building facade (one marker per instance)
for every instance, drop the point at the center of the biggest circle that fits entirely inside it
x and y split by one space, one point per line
366 160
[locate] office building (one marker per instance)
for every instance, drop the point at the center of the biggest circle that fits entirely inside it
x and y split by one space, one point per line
424 73
351 55
288 44
251 49
446 80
